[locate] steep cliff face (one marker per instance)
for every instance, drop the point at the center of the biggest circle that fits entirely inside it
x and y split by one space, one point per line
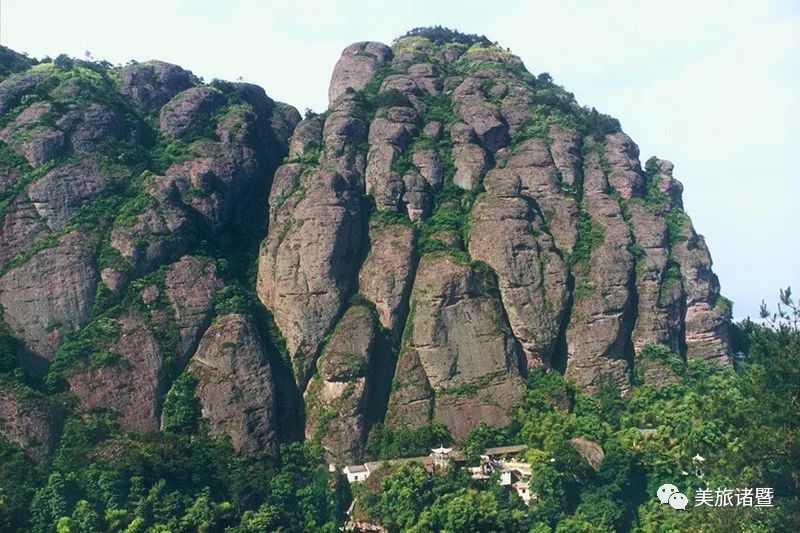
132 200
459 362
450 222
338 395
508 228
235 385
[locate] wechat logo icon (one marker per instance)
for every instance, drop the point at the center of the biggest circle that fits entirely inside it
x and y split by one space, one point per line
668 493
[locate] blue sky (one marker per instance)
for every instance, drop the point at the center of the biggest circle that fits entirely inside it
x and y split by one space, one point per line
712 86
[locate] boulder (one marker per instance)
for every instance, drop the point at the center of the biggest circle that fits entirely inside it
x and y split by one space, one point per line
589 450
93 126
152 84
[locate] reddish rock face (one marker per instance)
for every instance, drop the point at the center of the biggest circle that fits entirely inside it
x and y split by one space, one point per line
386 274
51 294
235 385
190 286
602 317
150 85
116 214
29 419
21 225
308 265
131 386
357 67
183 111
459 352
575 234
63 191
338 396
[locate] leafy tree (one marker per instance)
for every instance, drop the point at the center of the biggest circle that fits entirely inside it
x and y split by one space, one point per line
181 407
52 501
383 443
467 510
404 495
64 62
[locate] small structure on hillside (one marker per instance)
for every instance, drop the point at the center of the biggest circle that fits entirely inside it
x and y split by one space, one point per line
356 473
441 457
524 469
523 488
504 451
515 480
513 474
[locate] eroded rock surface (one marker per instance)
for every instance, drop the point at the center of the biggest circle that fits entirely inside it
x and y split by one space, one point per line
337 398
386 274
235 385
449 223
602 314
459 357
356 67
29 419
190 285
51 294
152 84
309 261
131 384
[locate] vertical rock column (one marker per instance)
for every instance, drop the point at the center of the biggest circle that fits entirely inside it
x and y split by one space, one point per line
602 313
309 261
337 397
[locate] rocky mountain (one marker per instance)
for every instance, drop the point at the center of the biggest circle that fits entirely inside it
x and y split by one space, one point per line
402 259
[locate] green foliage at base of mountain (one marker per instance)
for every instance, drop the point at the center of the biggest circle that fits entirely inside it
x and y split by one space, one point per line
744 421
101 480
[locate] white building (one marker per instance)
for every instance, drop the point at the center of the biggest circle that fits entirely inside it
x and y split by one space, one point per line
441 457
524 491
356 473
516 480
